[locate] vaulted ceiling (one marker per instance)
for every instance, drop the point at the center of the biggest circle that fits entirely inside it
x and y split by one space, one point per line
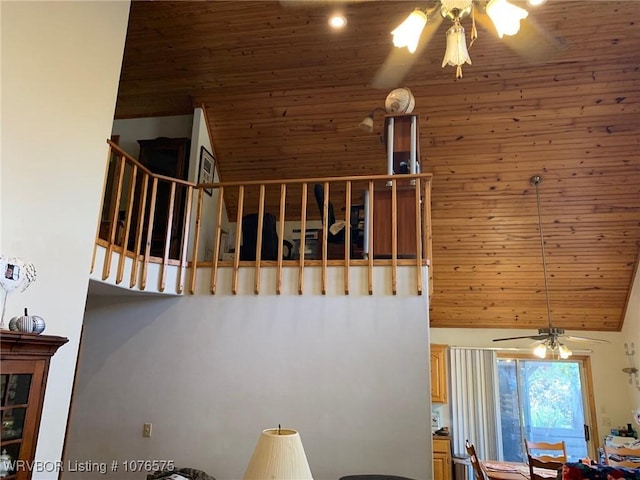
284 95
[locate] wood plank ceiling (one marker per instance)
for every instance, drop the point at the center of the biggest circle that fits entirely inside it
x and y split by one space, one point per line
284 96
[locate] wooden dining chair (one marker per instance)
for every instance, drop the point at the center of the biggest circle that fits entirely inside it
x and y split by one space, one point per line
621 456
543 470
547 452
478 473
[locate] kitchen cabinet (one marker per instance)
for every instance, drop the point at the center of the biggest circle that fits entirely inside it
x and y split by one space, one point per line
442 467
438 373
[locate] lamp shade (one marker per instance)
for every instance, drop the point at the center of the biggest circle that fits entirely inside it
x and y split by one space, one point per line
407 34
505 16
456 53
279 455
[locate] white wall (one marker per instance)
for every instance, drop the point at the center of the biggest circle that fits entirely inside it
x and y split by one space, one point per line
631 334
211 372
607 361
60 70
133 129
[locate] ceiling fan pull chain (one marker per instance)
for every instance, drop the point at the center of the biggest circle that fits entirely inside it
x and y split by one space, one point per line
474 30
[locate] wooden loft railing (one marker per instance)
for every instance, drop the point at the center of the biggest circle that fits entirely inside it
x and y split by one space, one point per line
397 213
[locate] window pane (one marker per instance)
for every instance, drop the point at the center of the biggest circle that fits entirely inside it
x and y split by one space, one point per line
509 411
542 401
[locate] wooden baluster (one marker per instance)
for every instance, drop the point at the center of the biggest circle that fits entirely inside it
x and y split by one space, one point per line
370 256
283 198
303 231
167 240
325 235
139 228
256 273
147 250
113 219
216 250
236 257
394 237
418 238
347 236
127 225
104 194
196 241
185 241
426 219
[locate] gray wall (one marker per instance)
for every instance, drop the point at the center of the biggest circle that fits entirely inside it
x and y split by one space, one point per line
349 373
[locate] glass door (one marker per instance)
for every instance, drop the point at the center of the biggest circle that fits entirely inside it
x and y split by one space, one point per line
543 400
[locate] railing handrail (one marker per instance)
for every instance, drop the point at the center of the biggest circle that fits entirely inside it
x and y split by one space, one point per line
143 219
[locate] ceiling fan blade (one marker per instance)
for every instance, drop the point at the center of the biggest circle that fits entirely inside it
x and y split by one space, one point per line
533 337
399 61
584 339
532 42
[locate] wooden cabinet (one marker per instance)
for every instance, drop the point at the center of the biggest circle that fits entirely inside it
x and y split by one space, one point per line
25 365
442 467
383 219
168 157
438 373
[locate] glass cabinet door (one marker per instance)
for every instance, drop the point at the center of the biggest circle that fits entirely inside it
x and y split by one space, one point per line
18 399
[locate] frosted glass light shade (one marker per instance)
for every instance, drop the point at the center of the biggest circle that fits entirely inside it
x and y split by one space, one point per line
367 124
279 455
505 16
407 34
456 53
540 351
564 352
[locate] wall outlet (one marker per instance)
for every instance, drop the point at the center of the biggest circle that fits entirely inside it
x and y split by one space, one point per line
146 430
606 421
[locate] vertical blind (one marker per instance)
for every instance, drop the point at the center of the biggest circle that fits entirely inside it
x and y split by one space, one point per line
475 409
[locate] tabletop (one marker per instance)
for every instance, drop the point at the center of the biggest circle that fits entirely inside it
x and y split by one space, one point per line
497 470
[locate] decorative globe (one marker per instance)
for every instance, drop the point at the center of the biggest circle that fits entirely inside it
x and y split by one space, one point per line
400 100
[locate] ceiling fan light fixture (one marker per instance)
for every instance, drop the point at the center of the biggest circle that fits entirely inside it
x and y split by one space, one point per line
456 53
505 16
564 352
407 34
535 3
367 123
541 350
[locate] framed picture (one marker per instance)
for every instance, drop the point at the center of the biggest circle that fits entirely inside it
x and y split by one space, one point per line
207 167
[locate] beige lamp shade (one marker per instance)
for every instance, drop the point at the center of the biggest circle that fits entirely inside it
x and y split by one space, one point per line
279 455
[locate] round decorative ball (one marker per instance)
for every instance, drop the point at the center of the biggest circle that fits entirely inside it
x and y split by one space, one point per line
38 324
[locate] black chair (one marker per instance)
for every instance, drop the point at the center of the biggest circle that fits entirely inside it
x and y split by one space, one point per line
269 238
318 191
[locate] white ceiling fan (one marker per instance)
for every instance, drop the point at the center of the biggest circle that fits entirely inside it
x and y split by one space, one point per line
550 338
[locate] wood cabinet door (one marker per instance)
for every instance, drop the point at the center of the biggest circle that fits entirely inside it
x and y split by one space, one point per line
438 373
405 218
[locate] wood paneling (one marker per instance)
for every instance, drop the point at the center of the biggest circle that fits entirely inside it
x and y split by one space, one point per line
284 97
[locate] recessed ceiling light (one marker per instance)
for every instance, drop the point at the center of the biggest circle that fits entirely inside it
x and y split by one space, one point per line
337 21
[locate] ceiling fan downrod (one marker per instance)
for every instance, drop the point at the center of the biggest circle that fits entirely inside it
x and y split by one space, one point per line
536 180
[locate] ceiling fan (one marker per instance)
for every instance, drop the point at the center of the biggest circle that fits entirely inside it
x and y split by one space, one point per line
551 337
502 18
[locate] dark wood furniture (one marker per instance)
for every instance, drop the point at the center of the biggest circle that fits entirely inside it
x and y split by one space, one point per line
168 157
406 221
25 365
